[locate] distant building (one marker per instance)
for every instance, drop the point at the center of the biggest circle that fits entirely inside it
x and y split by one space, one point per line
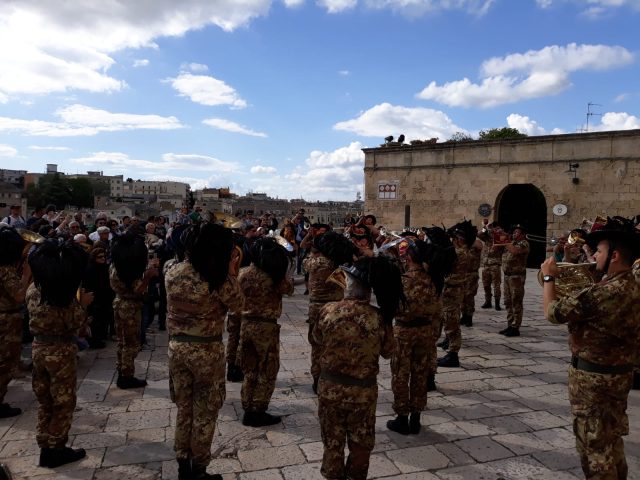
10 194
15 177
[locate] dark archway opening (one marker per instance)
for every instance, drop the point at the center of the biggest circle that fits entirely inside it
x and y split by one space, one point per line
525 204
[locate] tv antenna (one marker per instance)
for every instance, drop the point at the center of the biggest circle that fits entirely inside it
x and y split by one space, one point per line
590 113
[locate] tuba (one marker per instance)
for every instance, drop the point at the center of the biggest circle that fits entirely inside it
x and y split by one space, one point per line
572 278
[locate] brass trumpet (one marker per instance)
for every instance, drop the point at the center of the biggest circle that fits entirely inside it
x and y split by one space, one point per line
338 277
572 278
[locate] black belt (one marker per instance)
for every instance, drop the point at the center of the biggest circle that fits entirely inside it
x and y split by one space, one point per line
194 339
586 366
347 379
416 322
260 319
15 310
55 338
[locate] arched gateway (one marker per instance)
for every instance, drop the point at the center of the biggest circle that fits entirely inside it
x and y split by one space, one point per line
524 204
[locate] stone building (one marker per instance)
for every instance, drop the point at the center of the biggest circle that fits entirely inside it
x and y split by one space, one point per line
548 183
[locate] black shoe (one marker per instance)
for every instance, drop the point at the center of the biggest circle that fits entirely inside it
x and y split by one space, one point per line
400 425
64 455
306 292
498 308
444 344
97 344
234 373
7 411
315 385
486 304
45 455
414 423
259 419
466 320
5 473
184 469
449 360
199 472
126 383
636 381
512 332
431 383
504 331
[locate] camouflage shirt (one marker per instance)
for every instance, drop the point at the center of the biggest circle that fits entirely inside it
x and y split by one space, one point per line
422 300
353 337
461 266
319 268
121 289
603 320
9 284
475 255
636 270
261 297
191 308
516 263
49 320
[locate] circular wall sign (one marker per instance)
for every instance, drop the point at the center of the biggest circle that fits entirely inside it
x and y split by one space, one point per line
484 210
559 209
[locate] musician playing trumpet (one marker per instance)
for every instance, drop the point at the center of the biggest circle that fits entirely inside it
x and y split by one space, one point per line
514 264
491 263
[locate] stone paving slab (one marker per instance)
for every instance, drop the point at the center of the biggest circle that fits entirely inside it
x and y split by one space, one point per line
503 415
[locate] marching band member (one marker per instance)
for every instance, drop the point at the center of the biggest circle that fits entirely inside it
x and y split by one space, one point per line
514 266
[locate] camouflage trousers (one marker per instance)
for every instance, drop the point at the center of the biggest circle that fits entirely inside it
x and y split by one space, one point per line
343 420
196 384
598 405
11 342
491 276
234 321
54 384
513 296
451 304
469 297
410 362
127 316
316 349
259 357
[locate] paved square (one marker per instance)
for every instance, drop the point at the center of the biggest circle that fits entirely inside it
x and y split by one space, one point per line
504 414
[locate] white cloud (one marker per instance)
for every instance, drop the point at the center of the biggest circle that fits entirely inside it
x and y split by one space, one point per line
230 126
7 151
337 6
412 8
80 120
50 47
530 127
415 123
206 90
259 170
293 3
593 8
622 97
141 62
617 121
533 74
55 149
194 67
344 73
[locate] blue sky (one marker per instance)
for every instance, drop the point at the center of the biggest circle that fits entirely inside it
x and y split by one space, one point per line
280 97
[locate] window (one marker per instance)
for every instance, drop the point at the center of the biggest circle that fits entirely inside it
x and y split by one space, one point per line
387 190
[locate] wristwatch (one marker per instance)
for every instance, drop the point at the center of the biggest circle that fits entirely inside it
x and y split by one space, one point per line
548 278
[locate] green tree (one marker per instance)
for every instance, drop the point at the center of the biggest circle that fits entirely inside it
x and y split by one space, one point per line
501 133
82 192
461 137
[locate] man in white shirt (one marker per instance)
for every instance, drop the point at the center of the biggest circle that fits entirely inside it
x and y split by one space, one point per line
15 219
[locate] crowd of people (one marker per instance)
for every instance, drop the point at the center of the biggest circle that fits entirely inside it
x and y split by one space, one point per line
202 271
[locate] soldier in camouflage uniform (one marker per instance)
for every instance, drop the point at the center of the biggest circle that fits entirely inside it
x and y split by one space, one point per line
262 283
329 251
354 334
55 319
514 266
453 295
129 275
604 324
471 287
200 290
636 374
12 291
413 332
491 263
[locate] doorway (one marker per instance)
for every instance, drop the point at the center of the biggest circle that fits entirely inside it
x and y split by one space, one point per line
525 204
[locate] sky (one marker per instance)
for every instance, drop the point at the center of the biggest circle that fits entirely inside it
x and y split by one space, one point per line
281 96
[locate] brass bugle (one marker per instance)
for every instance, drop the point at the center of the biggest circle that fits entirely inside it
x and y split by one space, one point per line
575 239
338 277
571 278
30 236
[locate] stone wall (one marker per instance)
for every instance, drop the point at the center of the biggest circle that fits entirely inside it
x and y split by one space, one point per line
442 183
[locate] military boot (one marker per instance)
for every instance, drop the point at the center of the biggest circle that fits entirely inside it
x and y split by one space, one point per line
431 383
64 455
126 383
184 469
414 423
45 455
7 411
315 385
400 424
259 419
466 320
636 381
498 308
199 472
487 303
449 360
512 332
234 373
444 344
5 473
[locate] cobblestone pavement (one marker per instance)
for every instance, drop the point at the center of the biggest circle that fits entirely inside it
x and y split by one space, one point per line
504 415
